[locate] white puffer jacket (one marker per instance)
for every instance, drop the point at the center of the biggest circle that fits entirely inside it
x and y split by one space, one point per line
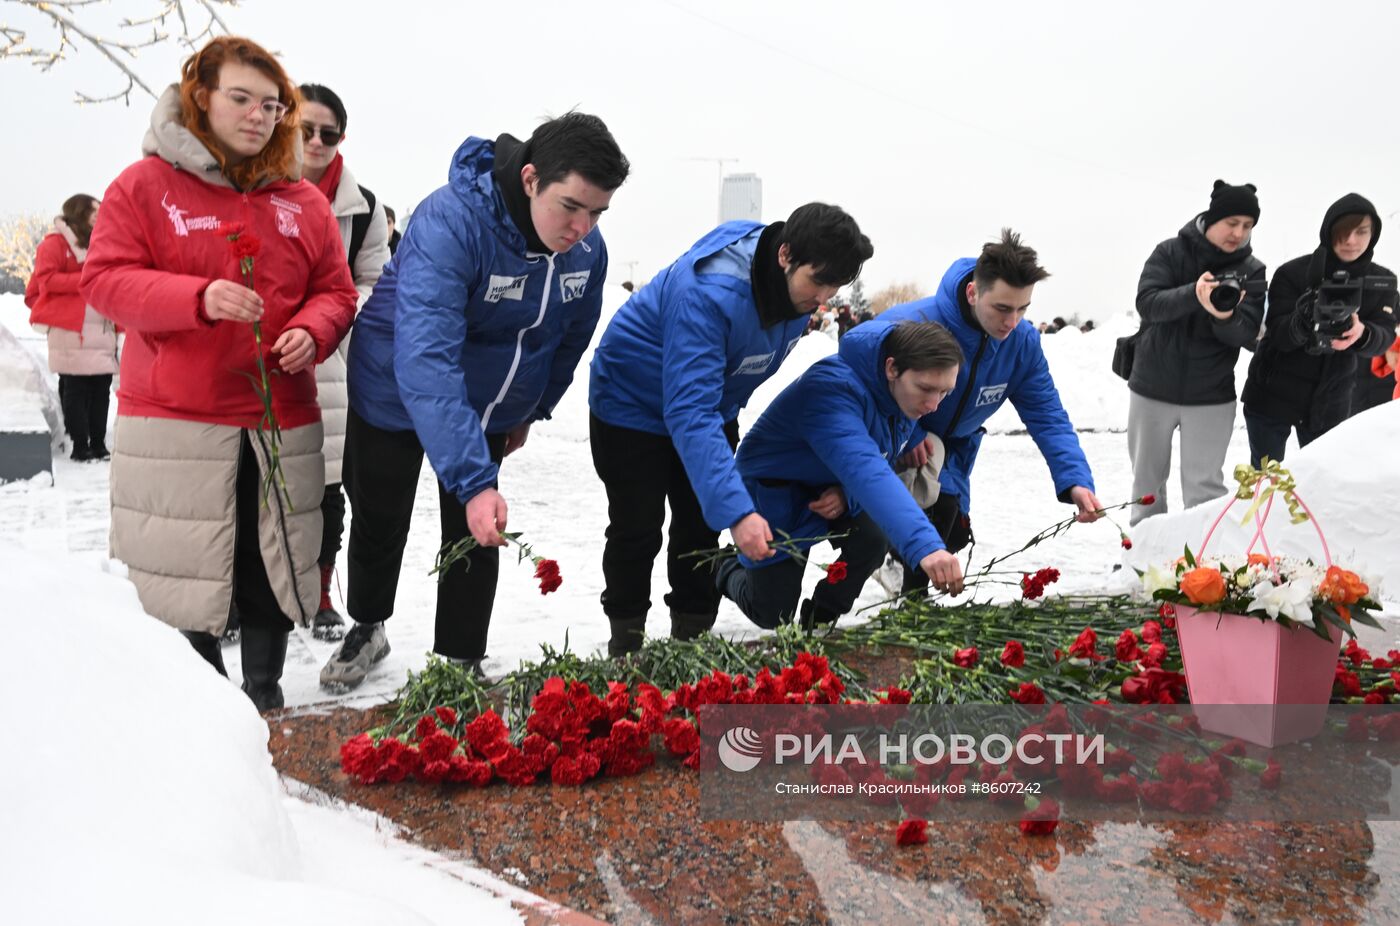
369 263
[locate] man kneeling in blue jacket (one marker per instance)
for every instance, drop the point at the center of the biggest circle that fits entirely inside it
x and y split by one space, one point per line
676 364
983 302
470 336
820 460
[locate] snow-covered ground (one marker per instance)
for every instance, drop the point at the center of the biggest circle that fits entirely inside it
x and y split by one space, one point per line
557 501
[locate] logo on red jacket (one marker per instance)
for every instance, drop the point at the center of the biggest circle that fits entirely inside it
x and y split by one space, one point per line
183 222
287 212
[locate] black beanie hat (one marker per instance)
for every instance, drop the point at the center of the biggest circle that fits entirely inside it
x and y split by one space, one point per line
1226 200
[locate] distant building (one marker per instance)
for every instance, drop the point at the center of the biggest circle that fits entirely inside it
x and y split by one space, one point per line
741 197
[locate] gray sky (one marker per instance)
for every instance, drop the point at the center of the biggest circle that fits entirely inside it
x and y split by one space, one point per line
1096 129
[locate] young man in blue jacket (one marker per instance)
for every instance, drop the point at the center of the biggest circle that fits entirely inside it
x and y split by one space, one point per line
471 335
983 302
673 369
820 460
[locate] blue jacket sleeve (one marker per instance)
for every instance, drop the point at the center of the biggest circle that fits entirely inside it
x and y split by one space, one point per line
834 427
437 270
575 341
1037 401
692 388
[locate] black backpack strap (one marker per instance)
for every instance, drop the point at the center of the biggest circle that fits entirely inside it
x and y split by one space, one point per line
359 227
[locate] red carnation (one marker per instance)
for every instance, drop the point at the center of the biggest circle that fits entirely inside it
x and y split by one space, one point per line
1127 544
1041 818
893 695
1028 693
575 770
1126 650
1085 646
245 245
547 571
1013 654
911 832
836 572
1154 655
1272 775
1147 500
967 658
446 716
1151 632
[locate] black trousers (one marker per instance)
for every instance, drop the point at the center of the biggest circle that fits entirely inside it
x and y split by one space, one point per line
1268 437
952 525
642 472
332 523
85 400
768 595
380 473
252 592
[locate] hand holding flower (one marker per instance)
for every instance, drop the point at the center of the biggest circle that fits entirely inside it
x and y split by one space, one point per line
225 300
486 518
1090 508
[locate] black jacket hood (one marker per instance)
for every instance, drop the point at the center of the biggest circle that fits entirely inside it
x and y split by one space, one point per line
1325 260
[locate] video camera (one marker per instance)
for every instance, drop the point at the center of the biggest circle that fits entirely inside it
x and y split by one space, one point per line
1334 302
1233 285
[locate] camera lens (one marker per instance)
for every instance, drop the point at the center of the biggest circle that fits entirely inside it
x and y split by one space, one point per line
1226 296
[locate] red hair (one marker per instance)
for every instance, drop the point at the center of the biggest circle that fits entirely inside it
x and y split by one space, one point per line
278 158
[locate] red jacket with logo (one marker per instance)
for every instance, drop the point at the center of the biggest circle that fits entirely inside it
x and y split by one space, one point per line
52 293
162 239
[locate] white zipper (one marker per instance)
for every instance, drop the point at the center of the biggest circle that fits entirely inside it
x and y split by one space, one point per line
520 345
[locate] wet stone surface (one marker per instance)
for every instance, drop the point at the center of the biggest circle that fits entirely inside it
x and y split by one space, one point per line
633 850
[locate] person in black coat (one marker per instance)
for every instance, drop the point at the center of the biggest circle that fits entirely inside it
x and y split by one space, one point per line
1295 381
1183 374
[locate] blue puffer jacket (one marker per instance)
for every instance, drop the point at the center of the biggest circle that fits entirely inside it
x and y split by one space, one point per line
995 371
684 355
466 334
837 424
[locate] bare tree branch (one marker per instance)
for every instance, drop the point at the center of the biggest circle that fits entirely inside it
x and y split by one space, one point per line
72 25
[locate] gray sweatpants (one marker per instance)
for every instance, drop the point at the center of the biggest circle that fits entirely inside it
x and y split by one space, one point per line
1205 439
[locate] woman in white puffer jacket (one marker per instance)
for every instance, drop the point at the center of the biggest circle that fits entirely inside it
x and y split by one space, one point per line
365 233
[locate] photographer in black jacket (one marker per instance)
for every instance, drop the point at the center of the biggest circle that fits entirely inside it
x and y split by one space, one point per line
1303 375
1201 298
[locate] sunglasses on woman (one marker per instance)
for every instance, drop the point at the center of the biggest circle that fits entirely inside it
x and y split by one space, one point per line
330 137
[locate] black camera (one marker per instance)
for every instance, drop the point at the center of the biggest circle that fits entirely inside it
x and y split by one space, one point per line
1335 301
1233 285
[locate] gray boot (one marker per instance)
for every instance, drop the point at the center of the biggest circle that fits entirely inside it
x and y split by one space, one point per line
627 635
690 626
362 647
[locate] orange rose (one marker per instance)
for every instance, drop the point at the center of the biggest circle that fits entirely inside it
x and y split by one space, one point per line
1342 586
1259 559
1203 585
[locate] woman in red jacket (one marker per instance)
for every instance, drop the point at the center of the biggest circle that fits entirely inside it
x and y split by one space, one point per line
82 344
190 515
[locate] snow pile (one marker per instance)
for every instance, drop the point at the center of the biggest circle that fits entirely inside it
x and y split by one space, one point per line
28 404
139 787
1346 477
